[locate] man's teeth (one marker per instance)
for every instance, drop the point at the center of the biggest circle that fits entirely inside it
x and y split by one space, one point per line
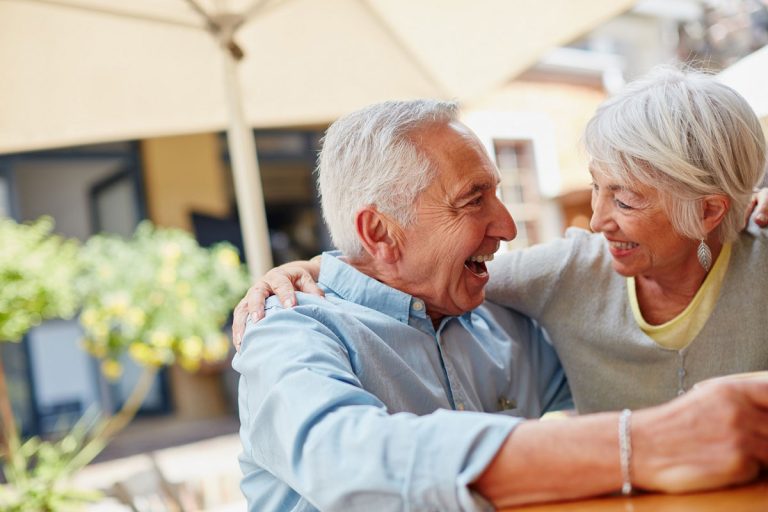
482 258
623 246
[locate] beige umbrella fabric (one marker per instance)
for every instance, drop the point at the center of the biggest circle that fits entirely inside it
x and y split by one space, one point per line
749 77
86 71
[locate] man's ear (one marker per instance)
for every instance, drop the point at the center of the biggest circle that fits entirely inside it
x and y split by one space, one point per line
714 208
378 234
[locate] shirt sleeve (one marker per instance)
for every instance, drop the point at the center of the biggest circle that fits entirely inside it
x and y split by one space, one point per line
309 422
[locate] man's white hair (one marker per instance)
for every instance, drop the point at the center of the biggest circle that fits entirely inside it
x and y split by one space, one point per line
372 157
686 135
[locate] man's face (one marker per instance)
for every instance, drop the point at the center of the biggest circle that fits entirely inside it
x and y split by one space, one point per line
459 224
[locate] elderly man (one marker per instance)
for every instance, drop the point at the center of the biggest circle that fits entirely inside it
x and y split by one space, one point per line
377 398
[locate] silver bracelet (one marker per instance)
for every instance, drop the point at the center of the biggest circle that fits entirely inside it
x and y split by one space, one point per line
625 451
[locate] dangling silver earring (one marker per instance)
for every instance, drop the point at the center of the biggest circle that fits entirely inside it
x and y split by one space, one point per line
705 255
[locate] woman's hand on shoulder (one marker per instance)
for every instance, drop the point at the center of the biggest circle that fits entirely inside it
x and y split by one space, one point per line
283 281
758 208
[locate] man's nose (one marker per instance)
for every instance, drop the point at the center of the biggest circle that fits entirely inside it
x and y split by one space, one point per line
503 226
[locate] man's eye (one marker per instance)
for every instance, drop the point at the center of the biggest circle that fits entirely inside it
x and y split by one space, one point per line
476 201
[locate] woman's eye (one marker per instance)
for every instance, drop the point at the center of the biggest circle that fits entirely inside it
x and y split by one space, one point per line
623 206
594 186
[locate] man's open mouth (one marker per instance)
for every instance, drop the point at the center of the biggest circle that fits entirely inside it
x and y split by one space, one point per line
476 264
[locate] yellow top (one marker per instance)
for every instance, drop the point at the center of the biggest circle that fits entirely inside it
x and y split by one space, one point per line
679 332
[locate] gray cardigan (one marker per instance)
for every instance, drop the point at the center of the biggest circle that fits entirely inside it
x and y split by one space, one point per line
569 287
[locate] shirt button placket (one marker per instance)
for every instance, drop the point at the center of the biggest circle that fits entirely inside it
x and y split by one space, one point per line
459 400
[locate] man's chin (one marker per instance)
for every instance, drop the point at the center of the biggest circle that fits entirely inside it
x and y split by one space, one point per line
473 301
462 305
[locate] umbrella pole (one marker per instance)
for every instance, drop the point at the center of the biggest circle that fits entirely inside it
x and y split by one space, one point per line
247 179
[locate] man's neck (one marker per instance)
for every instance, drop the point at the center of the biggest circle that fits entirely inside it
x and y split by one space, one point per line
384 274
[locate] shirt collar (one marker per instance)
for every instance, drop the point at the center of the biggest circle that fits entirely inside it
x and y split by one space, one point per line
350 284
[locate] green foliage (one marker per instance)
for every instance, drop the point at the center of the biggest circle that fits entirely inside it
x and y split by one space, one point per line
39 471
36 276
159 296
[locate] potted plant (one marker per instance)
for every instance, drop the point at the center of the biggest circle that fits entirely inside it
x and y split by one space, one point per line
157 296
160 297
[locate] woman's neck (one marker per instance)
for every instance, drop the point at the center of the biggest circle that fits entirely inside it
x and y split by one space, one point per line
663 296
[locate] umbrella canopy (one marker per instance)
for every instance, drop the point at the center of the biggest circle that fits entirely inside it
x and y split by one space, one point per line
85 71
749 77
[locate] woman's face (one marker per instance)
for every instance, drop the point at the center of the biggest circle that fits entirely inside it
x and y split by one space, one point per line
640 236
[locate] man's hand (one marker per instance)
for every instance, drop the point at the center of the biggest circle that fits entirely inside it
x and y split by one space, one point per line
714 436
282 281
758 208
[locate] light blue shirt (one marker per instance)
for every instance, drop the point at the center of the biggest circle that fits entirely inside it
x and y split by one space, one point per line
356 402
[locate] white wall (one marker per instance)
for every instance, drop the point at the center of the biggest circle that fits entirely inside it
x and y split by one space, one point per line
5 206
60 189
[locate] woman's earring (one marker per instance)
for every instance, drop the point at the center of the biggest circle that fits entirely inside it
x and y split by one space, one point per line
705 255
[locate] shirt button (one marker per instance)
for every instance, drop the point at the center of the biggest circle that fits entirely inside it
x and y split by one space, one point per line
418 305
460 406
506 404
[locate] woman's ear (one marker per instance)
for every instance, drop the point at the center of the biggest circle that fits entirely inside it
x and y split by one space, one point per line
378 234
714 208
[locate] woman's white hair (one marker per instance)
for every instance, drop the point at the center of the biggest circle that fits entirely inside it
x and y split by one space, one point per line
686 135
371 158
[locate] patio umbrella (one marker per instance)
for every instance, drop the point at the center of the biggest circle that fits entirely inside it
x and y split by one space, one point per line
85 71
749 77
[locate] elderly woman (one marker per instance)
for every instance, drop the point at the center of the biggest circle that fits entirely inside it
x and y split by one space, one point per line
669 290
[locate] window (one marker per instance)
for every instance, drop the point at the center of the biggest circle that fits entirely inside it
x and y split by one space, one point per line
522 145
519 190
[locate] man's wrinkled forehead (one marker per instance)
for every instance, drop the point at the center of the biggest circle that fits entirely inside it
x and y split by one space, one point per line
462 167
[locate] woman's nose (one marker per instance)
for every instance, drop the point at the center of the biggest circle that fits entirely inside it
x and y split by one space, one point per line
601 216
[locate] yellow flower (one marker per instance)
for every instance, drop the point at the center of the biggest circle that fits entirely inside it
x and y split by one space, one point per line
139 352
100 330
191 365
111 369
149 356
191 347
188 307
160 339
135 317
96 349
117 304
228 257
88 318
167 275
216 349
170 251
183 288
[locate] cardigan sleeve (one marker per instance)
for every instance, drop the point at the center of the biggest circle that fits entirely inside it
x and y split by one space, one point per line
527 279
